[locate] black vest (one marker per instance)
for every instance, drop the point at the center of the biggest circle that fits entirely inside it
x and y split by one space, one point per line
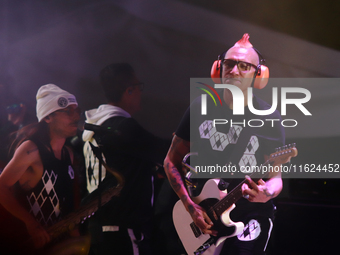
52 198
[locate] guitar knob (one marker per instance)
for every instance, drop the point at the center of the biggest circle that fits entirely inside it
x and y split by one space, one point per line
222 185
206 246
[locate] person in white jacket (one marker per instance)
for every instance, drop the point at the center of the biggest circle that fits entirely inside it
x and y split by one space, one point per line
123 226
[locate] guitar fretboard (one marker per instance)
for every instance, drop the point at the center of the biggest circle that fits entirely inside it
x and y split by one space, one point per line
281 154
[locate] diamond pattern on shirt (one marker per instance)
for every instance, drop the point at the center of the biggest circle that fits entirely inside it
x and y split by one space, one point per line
252 146
234 134
248 158
48 186
47 198
206 129
92 167
218 140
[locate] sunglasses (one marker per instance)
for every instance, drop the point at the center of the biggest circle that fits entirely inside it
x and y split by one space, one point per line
228 65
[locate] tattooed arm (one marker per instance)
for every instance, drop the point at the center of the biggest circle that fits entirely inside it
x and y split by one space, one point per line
173 169
26 168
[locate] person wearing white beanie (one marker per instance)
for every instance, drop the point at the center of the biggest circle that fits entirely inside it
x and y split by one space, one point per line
51 98
37 184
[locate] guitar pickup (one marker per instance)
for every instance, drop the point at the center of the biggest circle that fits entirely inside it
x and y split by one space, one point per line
196 230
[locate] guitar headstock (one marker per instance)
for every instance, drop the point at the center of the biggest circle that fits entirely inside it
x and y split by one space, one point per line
283 154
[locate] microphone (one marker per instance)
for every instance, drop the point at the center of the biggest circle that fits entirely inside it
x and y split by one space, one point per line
101 130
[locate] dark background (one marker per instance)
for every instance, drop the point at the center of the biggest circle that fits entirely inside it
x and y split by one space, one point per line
68 42
315 21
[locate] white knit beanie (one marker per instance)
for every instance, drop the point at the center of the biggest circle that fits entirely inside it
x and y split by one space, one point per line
51 98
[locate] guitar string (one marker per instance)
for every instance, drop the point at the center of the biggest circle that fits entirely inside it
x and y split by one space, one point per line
234 193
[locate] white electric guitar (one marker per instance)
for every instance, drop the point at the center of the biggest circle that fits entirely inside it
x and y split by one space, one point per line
218 205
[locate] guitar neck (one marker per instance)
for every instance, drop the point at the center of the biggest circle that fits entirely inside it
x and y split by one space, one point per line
234 195
83 213
89 208
281 156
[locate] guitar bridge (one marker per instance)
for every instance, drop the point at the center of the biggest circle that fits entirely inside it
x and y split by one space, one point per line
205 246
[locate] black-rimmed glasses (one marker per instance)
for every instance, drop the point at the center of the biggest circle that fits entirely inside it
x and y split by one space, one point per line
228 65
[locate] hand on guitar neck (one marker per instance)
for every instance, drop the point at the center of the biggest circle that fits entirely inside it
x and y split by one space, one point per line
261 192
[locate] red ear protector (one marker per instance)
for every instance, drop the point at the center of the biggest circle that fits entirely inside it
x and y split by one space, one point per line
261 77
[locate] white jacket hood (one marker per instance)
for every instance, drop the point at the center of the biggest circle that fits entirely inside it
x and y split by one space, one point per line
99 115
